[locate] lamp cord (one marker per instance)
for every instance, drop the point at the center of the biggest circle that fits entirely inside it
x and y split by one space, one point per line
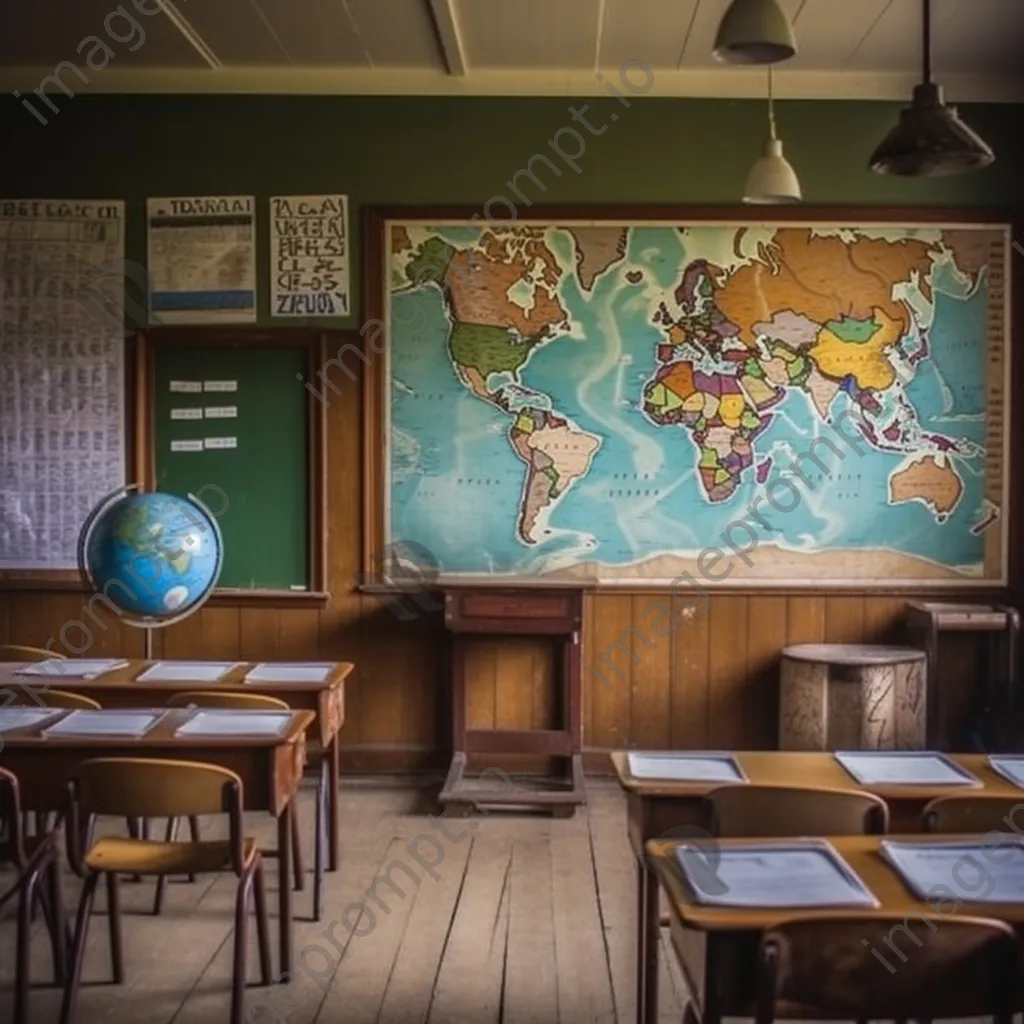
771 106
926 23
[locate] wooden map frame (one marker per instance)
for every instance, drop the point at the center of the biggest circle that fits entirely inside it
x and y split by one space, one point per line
375 378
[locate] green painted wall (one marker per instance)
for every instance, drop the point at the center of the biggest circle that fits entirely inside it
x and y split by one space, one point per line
465 150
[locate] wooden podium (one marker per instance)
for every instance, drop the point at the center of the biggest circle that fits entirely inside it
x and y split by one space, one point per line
553 614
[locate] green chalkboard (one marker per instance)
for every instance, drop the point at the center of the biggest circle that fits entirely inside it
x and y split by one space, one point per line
231 425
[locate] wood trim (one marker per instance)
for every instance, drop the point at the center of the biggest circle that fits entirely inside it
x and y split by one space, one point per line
373 387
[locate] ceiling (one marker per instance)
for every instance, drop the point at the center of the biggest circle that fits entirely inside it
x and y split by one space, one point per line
847 48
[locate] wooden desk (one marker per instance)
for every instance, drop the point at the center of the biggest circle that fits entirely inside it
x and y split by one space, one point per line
270 768
717 946
655 807
121 689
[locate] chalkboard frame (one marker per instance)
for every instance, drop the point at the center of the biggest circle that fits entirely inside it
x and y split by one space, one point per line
314 344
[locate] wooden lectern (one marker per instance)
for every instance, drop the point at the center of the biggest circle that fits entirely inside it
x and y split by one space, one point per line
553 614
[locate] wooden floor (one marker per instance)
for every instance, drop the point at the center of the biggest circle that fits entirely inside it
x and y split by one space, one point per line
518 920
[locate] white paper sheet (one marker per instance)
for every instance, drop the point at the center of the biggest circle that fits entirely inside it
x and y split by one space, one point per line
291 672
976 872
187 446
897 768
1011 768
810 873
132 724
220 443
71 668
235 723
25 718
186 387
703 767
187 671
193 413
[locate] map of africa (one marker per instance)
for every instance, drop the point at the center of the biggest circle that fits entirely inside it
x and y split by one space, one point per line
609 401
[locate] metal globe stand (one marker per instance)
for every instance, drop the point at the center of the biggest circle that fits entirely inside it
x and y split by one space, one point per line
146 622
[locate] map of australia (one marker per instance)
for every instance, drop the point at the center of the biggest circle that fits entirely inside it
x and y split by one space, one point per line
608 400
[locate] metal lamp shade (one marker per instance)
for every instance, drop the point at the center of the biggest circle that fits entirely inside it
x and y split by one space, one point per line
754 32
930 141
772 180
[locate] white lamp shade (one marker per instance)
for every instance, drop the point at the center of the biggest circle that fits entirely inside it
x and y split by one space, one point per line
772 180
754 32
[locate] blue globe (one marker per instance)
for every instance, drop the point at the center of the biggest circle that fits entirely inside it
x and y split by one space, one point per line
154 556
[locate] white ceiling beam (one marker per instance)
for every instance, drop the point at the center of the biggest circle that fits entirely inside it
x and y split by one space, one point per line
447 24
724 83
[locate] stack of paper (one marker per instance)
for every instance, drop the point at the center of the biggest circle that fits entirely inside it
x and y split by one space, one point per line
802 873
1009 766
188 671
976 871
291 672
707 766
25 718
235 723
128 724
904 768
72 668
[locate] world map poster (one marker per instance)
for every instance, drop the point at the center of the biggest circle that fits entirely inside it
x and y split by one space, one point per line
747 403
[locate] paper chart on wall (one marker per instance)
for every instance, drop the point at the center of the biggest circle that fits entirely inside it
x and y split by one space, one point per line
202 259
62 320
309 256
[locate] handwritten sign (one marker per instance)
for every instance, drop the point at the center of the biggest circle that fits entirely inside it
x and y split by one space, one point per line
309 256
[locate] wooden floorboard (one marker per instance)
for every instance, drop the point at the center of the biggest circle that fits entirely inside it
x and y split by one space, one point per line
496 920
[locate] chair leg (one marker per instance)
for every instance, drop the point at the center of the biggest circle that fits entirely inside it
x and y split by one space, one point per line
114 927
67 1008
298 868
193 828
320 853
241 948
262 923
26 900
53 909
161 883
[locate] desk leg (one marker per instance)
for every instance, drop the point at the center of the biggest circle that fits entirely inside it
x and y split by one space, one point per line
650 926
334 804
641 939
284 883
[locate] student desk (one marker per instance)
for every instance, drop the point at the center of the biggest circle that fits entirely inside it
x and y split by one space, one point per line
717 946
120 689
656 806
270 768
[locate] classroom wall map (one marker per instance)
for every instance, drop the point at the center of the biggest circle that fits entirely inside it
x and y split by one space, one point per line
744 403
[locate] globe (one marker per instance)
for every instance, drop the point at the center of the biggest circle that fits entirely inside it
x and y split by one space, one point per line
154 556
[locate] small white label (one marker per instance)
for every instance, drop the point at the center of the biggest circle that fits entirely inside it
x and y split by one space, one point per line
221 442
186 446
220 385
222 412
187 387
187 414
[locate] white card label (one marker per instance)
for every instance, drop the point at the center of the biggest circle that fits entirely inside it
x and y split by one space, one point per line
220 385
187 414
222 442
186 446
186 387
221 412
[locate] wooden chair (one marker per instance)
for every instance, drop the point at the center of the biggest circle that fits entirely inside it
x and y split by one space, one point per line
18 652
887 968
964 813
36 860
130 787
246 702
785 811
56 699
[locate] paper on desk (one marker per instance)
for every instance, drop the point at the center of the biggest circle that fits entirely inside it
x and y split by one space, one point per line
1011 768
976 871
72 668
188 671
291 672
24 718
131 724
904 768
235 723
810 873
703 767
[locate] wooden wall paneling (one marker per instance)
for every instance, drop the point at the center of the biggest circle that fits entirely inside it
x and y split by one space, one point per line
260 633
5 618
30 622
544 675
608 670
883 619
298 634
767 627
805 619
522 667
650 694
688 682
481 682
844 619
727 670
212 634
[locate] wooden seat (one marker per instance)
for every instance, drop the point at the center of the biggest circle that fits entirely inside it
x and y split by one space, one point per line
35 859
786 811
964 813
56 699
889 968
19 652
155 788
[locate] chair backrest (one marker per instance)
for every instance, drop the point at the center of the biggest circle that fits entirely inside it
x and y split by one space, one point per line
958 814
783 811
227 701
54 699
859 968
18 652
10 818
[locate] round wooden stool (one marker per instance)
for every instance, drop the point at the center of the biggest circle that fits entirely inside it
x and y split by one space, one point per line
852 697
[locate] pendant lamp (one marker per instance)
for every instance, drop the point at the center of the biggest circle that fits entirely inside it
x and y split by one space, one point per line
930 140
772 180
754 32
